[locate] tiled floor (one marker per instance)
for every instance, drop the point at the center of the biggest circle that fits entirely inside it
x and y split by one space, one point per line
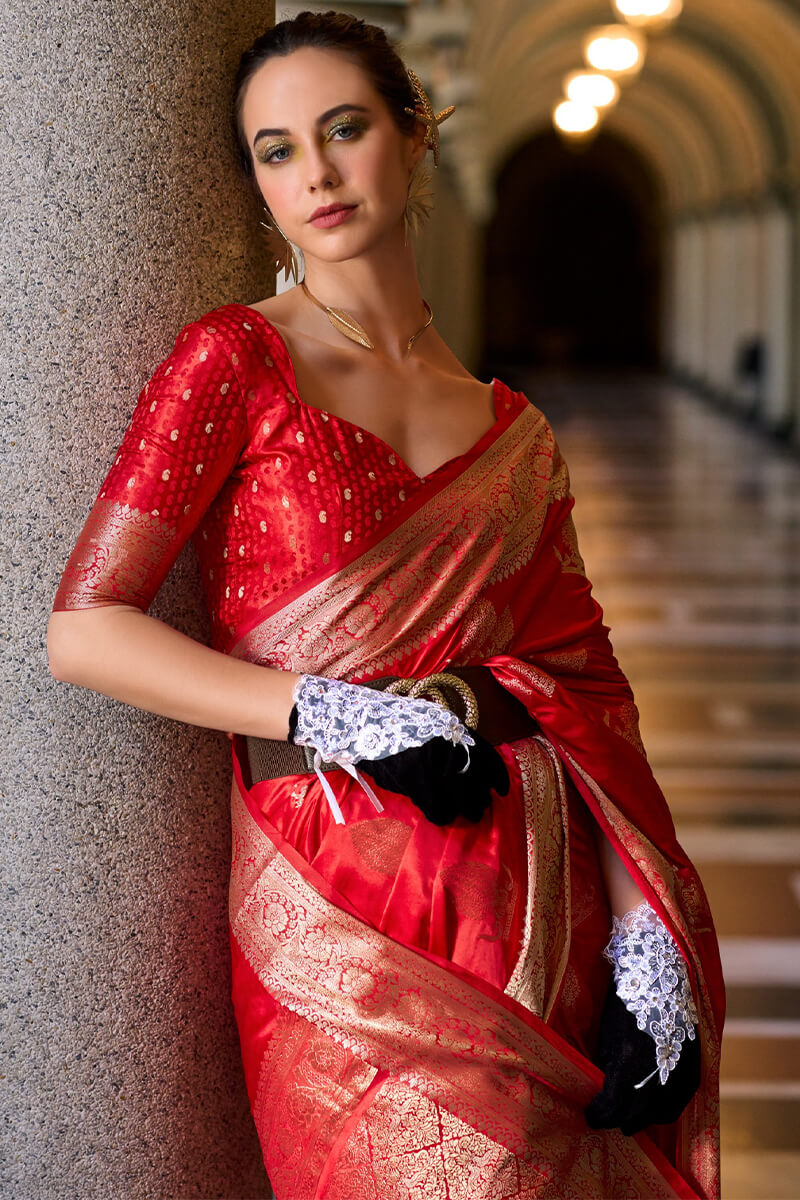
689 524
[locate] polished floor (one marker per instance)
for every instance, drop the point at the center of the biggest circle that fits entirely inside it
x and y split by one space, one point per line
689 524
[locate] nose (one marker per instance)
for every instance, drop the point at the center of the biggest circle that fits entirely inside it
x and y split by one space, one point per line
320 170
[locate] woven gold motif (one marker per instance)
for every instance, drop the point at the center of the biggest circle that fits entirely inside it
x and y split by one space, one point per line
498 1084
390 583
536 978
121 556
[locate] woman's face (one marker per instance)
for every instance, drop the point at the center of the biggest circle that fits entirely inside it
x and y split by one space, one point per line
320 135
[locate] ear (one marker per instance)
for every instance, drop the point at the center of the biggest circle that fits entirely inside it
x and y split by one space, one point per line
418 146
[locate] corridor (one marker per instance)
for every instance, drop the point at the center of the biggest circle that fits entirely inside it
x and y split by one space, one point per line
689 524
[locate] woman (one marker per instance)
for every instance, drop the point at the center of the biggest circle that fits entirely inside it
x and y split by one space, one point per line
423 886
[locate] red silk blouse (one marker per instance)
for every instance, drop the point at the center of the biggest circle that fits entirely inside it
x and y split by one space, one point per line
221 448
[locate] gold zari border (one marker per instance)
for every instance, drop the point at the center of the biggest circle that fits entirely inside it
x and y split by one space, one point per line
429 1030
699 1154
491 515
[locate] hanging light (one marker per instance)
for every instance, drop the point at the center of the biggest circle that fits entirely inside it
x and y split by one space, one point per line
575 117
591 87
617 50
653 15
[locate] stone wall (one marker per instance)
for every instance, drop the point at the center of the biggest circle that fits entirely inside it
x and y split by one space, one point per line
126 218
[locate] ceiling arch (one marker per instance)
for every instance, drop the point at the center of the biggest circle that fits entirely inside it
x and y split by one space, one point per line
723 83
681 151
691 83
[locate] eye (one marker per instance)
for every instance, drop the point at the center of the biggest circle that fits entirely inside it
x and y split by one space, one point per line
350 127
269 153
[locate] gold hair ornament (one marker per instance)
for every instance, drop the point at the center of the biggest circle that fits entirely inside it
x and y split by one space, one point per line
431 118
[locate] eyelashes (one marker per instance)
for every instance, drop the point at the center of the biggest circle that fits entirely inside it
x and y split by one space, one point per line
352 127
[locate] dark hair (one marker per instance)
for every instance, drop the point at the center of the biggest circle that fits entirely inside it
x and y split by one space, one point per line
367 45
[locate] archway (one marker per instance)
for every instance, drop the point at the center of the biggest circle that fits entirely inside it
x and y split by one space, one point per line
573 257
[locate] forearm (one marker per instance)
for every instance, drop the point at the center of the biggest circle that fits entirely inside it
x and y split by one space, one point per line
122 652
623 894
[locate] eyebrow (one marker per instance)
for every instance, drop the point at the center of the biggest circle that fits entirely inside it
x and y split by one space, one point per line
326 116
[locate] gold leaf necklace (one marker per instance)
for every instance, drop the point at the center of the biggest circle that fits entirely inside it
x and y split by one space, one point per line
347 325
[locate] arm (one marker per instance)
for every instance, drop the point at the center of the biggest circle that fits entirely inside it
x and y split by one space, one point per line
118 650
623 894
184 439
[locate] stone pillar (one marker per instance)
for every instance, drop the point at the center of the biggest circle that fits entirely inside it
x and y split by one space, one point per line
746 301
795 317
694 297
675 333
721 302
777 315
126 219
448 250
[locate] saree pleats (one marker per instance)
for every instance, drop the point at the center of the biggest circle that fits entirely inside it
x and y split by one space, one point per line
390 1071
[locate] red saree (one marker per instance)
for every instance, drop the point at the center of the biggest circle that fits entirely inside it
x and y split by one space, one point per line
417 1005
417 1020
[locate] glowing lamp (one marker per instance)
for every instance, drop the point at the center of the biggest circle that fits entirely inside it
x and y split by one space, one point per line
617 50
652 15
591 87
574 117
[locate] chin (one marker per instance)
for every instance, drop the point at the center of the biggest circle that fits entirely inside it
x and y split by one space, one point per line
342 249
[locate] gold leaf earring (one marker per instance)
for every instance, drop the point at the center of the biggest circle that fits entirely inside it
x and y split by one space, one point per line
419 202
281 250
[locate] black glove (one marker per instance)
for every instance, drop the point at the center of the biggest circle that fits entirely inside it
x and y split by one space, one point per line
430 776
626 1054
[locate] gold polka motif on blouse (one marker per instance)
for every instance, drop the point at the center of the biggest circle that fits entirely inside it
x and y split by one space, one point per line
217 454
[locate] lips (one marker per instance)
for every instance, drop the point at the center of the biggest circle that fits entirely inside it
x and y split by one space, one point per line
330 208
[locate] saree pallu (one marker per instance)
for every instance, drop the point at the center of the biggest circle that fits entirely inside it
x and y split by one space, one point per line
418 1005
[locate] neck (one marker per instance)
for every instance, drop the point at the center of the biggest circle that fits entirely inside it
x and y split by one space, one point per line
380 290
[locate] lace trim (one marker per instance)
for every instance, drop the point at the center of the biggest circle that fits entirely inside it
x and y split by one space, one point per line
653 984
346 722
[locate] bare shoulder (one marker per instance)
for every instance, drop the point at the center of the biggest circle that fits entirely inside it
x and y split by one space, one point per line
324 366
280 310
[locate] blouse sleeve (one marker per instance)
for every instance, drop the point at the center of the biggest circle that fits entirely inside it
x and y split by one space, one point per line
186 433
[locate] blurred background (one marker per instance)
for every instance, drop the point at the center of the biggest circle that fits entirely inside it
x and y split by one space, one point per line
617 234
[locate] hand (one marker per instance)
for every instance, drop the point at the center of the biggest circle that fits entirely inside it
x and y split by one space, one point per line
649 1018
424 750
432 777
626 1054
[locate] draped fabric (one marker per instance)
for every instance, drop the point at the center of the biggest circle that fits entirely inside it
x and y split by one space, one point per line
417 1005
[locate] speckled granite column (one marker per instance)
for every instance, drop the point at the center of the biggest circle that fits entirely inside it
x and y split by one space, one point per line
126 218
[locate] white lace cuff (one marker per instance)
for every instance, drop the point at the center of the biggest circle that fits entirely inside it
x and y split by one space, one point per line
346 722
653 983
